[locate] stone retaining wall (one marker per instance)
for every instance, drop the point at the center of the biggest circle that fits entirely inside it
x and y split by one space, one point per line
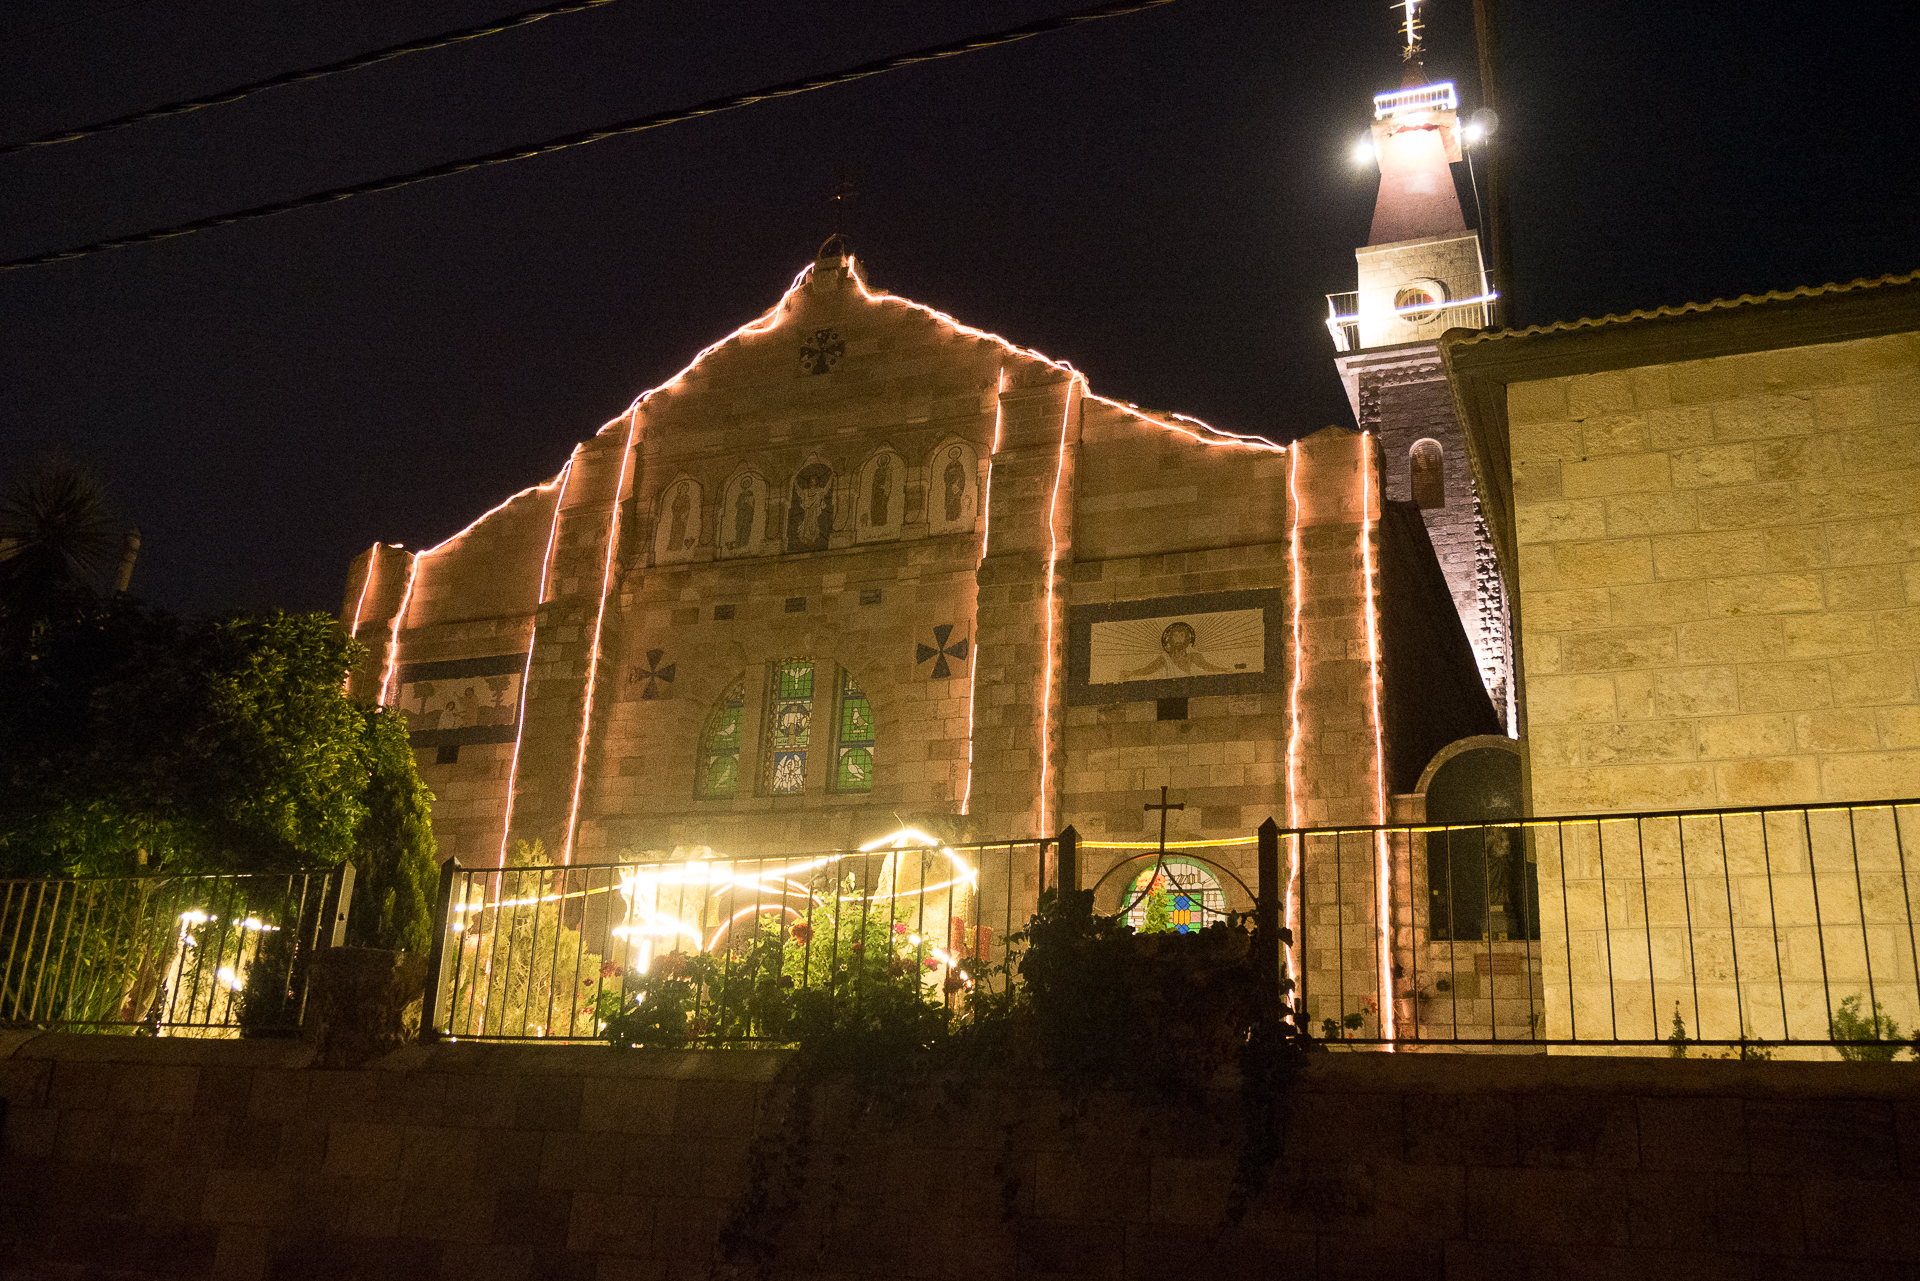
142 1158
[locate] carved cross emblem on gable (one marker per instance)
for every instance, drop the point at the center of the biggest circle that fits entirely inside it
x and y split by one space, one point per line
655 677
821 352
940 651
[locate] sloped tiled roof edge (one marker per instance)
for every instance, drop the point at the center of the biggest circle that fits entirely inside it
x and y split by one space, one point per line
1673 311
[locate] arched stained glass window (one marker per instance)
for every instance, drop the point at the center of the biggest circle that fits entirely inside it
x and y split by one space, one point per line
789 726
853 739
720 745
1181 895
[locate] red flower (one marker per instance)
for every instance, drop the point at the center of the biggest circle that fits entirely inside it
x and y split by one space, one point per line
931 964
802 932
609 969
899 927
858 946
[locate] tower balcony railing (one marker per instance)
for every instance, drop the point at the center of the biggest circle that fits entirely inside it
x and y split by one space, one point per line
1468 305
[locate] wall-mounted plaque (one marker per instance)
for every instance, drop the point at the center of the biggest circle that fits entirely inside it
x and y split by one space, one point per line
461 700
1177 647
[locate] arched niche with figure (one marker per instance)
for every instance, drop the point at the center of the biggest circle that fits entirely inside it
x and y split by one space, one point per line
953 488
810 507
880 498
1480 882
742 522
676 522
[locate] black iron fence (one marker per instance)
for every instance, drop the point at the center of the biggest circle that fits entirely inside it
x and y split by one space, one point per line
184 955
1780 929
1783 930
732 949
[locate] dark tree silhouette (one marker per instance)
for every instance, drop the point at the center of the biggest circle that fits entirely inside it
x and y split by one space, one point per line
57 544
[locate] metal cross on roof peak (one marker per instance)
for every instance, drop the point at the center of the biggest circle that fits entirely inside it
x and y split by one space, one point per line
1410 25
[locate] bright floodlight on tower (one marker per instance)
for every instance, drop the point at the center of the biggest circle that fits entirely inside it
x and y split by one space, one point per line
1363 152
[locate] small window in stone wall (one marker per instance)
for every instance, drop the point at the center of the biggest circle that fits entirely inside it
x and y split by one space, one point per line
789 726
853 739
720 745
1429 479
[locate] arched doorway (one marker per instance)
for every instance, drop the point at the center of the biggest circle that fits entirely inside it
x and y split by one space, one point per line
1479 881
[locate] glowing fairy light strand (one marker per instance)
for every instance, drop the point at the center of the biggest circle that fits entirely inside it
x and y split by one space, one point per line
1294 854
599 625
359 609
504 503
986 517
1383 869
533 638
1053 561
1134 411
393 636
360 606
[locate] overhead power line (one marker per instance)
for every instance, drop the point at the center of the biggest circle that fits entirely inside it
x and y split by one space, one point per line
421 45
712 106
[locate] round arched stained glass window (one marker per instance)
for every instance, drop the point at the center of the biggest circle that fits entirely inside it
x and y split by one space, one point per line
1180 895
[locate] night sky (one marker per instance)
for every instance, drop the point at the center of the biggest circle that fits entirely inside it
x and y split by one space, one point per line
1162 199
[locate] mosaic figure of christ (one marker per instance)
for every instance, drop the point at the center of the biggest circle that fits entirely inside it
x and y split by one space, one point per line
1177 657
1177 646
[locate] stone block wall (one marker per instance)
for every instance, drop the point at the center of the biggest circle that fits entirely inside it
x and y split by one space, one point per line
143 1158
1720 578
1716 515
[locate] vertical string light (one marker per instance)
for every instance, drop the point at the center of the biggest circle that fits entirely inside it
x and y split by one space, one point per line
599 623
526 674
393 636
1294 812
1053 559
1383 860
986 515
359 606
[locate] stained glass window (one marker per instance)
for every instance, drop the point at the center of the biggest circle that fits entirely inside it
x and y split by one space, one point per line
1181 896
789 726
720 745
853 735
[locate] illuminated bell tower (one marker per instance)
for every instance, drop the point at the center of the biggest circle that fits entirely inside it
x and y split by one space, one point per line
1422 273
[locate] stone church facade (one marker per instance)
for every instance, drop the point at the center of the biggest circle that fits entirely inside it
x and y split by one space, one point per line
860 564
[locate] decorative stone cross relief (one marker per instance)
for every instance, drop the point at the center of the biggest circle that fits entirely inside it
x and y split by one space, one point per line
940 651
821 352
655 676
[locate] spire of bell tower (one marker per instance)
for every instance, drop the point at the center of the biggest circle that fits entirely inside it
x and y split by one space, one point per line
1421 270
1420 274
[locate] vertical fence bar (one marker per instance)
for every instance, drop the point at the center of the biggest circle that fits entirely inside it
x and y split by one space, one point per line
430 998
342 905
1686 899
1773 917
1866 938
1566 916
1819 927
1733 931
1486 932
1266 920
1906 895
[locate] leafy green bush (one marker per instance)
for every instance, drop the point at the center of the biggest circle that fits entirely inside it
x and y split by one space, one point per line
1847 1024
